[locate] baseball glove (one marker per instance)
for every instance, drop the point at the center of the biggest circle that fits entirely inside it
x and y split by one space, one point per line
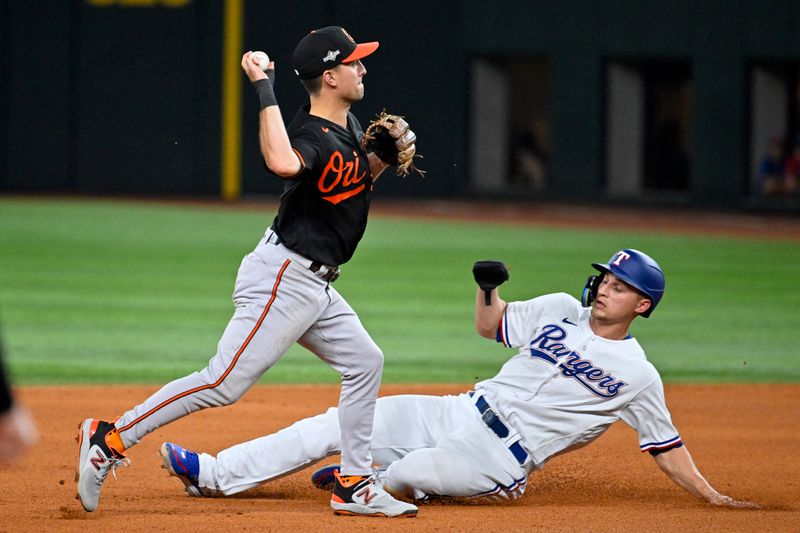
390 138
489 275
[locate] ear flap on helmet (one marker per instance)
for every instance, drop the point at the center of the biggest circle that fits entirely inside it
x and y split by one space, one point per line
590 290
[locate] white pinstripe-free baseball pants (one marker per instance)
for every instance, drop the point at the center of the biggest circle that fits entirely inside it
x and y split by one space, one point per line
428 445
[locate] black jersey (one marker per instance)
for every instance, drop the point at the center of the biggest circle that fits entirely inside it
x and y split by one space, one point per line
323 211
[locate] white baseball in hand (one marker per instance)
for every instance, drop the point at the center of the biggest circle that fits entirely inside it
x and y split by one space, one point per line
261 59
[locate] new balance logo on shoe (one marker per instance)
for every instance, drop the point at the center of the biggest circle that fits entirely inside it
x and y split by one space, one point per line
366 495
99 460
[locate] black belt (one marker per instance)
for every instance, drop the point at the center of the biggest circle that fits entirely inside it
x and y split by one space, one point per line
330 274
492 420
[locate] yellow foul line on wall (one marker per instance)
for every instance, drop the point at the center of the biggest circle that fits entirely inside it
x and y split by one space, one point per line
232 100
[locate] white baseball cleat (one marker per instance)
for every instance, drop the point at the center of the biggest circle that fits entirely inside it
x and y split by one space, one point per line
95 460
364 496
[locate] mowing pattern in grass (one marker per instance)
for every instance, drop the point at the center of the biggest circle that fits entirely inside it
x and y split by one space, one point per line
130 292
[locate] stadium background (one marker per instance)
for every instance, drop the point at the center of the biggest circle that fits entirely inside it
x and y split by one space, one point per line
128 96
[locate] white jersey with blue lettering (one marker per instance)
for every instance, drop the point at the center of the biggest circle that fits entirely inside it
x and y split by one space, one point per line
567 385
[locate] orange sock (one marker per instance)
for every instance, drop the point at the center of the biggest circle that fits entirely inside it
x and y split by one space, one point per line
114 441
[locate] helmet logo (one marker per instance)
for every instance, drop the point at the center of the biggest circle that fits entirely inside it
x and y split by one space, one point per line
621 256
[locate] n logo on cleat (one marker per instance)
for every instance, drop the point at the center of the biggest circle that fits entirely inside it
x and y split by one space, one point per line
98 461
367 495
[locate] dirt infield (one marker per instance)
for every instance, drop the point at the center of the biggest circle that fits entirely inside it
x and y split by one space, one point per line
744 438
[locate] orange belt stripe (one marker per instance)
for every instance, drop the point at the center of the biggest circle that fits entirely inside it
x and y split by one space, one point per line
230 367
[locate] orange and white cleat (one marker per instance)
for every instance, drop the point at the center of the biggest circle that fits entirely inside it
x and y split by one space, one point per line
96 458
364 496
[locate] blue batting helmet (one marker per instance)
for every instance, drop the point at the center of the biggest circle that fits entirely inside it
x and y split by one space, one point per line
638 270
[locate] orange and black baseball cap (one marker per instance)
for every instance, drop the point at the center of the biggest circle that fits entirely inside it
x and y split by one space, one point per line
325 48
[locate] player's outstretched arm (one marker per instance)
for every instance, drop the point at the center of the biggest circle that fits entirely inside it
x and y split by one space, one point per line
677 463
489 307
487 317
273 139
275 146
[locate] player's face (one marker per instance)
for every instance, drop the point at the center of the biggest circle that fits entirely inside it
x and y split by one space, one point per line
617 301
350 76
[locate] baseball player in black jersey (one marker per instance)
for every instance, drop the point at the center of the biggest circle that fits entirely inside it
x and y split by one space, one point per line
283 292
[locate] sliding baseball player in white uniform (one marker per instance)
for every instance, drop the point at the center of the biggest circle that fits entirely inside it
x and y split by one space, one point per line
577 371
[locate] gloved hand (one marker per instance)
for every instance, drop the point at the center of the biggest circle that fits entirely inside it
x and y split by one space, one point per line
489 275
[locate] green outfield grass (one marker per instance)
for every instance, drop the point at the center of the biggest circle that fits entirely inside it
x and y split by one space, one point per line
124 292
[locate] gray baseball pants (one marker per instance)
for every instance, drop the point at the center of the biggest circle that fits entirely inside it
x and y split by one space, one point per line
278 301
